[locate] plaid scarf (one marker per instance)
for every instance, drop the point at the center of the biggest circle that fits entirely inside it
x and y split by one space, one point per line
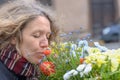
14 62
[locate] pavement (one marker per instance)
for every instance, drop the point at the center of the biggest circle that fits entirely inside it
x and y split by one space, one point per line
112 45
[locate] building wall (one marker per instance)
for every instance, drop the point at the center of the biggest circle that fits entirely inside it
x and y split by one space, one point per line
74 13
118 9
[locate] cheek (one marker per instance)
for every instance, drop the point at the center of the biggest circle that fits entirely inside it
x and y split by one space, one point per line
30 44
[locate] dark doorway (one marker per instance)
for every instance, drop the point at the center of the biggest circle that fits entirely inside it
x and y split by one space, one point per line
103 14
46 2
3 1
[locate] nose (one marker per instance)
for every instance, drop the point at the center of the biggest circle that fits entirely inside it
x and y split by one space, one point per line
44 42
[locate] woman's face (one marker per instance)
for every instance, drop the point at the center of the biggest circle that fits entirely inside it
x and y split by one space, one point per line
35 39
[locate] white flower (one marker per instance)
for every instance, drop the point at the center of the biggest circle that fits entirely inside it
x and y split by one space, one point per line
85 42
81 67
73 53
73 46
87 69
80 43
69 74
102 48
72 72
81 74
75 73
66 76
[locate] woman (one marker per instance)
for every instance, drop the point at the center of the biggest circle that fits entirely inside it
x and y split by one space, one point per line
26 30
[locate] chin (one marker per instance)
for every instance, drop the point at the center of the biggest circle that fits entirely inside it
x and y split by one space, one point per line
37 61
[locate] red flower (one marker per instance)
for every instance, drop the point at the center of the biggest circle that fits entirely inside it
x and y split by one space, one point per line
47 68
47 52
81 60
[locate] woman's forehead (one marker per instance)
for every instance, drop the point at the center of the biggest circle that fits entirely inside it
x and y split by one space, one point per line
39 24
39 20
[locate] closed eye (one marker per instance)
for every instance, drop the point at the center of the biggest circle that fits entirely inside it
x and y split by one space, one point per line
36 35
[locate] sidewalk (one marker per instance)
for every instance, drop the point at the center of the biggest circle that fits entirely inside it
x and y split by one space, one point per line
112 45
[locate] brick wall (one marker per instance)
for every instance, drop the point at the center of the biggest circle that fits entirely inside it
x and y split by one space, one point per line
74 14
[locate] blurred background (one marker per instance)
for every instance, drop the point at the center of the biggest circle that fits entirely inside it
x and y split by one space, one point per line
81 19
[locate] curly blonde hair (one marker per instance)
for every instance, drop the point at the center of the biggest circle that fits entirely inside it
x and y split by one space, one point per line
16 14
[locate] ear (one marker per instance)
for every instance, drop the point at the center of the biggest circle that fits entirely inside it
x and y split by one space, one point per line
13 40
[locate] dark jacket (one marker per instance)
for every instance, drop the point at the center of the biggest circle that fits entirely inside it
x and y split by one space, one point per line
6 74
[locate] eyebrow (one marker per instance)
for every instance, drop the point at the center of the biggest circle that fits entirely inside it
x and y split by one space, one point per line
42 31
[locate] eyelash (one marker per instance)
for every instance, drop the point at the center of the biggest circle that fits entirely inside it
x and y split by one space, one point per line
36 36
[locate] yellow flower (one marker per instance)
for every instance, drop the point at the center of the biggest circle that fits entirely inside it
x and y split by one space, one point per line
114 64
93 50
97 58
100 62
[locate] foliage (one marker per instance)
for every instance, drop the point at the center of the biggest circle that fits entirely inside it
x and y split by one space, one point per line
79 61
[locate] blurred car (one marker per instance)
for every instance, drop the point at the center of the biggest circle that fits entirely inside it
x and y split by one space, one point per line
111 33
